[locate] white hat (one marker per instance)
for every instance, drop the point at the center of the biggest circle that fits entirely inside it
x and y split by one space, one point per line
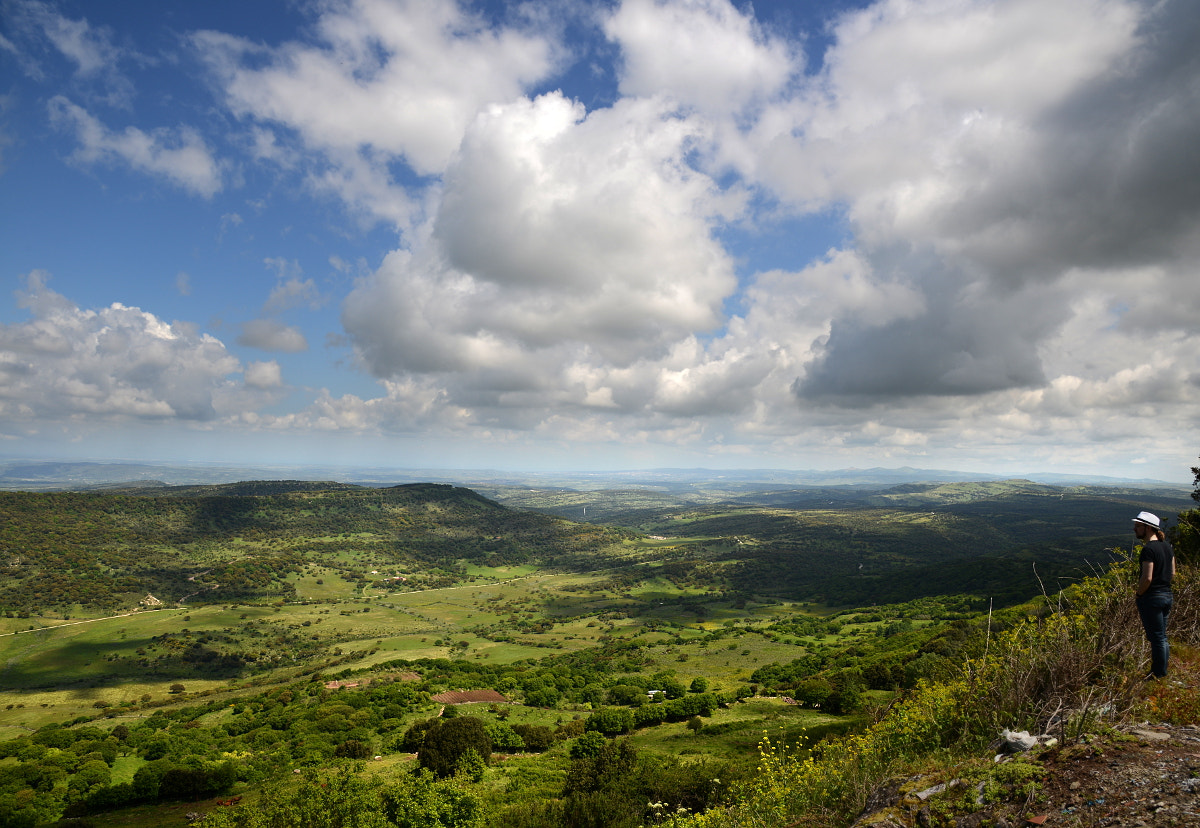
1147 518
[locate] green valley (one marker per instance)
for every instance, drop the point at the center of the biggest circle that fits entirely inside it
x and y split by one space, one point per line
197 643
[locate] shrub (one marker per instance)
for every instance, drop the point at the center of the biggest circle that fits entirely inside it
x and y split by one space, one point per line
588 745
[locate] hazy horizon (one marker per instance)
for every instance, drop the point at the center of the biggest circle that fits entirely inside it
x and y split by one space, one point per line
349 472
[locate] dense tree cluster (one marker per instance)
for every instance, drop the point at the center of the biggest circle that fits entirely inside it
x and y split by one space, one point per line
345 800
187 759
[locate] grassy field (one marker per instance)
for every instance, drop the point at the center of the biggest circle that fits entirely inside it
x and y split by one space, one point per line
65 669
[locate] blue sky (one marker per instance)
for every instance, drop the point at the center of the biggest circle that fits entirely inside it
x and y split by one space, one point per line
580 235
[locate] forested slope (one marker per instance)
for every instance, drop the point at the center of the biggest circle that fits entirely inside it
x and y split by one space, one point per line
107 551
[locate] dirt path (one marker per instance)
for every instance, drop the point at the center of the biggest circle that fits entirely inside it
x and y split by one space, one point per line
85 621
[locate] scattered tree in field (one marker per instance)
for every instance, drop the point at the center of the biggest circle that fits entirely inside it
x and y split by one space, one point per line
412 739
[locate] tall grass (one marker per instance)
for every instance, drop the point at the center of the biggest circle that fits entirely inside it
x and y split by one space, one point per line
1071 665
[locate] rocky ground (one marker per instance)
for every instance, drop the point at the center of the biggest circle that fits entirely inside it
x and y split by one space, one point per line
1141 776
1151 777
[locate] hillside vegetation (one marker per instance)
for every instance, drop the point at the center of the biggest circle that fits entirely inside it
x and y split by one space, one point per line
310 627
243 541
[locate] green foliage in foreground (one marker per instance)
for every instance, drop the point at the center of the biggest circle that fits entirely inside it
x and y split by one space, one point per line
1035 661
346 800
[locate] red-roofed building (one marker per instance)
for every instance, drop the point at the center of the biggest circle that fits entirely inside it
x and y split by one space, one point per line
470 697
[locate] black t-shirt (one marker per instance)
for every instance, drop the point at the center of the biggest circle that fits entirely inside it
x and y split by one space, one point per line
1161 555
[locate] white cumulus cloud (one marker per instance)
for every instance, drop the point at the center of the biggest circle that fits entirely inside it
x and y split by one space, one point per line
116 363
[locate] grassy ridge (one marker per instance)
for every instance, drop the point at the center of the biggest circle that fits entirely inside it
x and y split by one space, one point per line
107 551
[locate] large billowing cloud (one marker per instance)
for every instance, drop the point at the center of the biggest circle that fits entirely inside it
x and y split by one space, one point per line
1017 182
704 54
988 152
555 230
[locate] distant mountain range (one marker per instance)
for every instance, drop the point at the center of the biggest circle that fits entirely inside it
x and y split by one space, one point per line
42 475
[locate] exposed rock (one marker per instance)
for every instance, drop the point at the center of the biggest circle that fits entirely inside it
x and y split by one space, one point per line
1148 776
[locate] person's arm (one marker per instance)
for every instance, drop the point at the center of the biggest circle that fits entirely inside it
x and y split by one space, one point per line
1147 576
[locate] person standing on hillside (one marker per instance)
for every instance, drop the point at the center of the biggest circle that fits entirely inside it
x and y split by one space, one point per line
1154 598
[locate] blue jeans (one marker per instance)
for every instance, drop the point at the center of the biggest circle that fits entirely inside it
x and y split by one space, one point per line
1154 609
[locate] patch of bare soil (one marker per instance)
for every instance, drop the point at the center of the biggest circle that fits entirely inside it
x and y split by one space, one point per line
1148 779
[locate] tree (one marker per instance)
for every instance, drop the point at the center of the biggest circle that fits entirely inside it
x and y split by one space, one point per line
672 687
93 774
419 801
196 783
588 745
812 692
543 697
504 737
411 741
148 777
353 749
627 694
1185 535
847 697
610 720
611 767
448 740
